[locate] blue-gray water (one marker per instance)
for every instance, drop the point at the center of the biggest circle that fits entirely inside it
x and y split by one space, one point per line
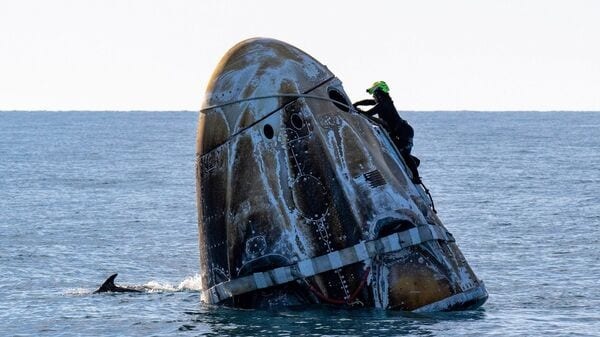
83 195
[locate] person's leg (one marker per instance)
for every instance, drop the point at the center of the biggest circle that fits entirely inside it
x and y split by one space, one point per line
416 160
412 166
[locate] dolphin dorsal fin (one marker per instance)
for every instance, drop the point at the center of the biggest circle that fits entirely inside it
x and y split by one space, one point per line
108 285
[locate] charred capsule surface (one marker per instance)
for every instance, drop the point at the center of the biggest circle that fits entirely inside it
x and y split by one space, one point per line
303 200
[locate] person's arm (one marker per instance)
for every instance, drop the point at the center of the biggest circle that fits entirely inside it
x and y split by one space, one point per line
365 102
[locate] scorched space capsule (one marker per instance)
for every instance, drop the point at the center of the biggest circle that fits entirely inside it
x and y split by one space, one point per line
303 200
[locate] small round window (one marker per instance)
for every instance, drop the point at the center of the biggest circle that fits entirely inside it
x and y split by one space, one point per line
337 96
268 131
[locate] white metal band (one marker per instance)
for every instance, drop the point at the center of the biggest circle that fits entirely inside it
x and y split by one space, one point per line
362 251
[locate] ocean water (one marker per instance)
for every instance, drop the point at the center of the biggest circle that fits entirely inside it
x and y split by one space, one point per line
87 194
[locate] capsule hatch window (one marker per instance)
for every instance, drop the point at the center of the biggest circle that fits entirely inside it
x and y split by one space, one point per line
344 104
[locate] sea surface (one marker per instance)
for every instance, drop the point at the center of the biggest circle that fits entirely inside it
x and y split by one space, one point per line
87 194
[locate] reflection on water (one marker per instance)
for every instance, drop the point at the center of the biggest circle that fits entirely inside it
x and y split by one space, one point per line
319 321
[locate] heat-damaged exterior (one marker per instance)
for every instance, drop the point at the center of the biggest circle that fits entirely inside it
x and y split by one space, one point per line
288 171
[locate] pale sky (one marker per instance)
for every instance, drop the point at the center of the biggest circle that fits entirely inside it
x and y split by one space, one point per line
435 55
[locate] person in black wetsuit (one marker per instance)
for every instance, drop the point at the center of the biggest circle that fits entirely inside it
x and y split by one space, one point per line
399 130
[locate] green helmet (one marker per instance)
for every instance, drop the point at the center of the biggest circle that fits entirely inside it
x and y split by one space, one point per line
381 85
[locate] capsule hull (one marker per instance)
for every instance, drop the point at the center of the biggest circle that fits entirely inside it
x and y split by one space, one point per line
290 178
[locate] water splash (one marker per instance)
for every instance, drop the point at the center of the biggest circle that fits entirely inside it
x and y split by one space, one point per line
190 283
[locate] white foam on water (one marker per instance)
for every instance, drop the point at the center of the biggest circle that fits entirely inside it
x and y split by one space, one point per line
78 292
190 283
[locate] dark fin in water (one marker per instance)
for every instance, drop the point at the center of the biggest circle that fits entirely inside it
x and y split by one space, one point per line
109 286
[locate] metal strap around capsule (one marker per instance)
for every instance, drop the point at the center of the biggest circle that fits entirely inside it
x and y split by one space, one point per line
362 251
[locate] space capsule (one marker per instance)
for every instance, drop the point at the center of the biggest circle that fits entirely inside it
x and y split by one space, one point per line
304 200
